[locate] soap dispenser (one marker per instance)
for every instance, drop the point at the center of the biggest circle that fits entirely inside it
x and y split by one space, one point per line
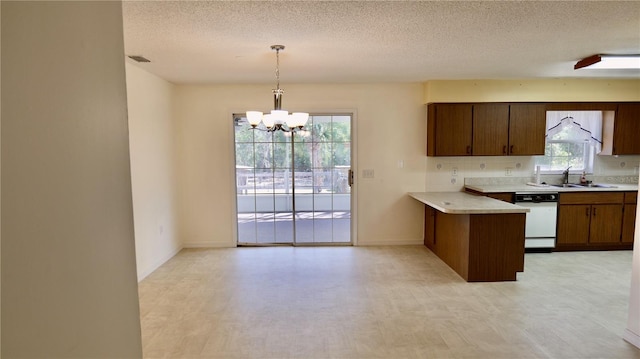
583 178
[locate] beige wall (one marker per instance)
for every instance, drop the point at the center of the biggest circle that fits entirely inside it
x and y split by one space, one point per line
151 143
531 90
440 169
390 127
69 287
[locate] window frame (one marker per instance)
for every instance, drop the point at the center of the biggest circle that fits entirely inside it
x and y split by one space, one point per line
588 156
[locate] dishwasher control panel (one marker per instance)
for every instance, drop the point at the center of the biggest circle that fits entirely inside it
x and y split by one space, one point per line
536 197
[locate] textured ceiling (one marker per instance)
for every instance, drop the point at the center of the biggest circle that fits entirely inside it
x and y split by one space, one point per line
395 41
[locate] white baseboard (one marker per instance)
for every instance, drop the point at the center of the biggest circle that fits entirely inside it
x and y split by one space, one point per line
631 337
391 242
142 275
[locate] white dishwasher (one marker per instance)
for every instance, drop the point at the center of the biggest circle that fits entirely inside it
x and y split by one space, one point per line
540 227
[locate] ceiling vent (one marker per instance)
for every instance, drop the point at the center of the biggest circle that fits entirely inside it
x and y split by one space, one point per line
139 58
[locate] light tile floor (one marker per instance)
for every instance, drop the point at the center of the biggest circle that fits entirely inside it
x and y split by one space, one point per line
382 302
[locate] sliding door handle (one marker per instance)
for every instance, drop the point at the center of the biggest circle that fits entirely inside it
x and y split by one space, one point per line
350 179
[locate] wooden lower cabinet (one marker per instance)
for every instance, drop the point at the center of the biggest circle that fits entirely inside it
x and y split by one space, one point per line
629 223
502 196
606 223
430 228
589 221
573 224
506 196
479 247
629 217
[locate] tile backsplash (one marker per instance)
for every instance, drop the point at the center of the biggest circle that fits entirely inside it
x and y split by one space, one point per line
449 173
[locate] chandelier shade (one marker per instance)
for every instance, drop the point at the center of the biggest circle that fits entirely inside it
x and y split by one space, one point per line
278 119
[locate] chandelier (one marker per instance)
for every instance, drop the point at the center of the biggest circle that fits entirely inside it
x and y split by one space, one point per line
278 119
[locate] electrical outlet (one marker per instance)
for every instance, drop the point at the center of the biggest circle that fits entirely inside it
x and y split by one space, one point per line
367 173
507 171
454 171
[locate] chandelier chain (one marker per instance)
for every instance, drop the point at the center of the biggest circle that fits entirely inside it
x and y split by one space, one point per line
277 68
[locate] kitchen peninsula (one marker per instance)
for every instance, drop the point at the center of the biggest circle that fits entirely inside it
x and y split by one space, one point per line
481 238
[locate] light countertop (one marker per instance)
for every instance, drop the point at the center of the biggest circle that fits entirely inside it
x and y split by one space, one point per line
465 203
497 188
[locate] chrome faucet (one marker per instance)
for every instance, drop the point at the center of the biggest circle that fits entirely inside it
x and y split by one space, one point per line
565 173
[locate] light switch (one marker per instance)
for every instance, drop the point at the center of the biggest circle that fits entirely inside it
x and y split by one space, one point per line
367 173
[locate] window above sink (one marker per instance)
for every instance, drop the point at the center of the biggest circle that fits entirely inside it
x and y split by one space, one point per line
572 140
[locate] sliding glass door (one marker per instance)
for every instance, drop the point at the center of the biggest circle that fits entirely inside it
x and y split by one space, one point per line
294 189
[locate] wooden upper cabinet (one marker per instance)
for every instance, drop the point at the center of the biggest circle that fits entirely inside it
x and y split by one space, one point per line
449 129
499 129
490 129
485 129
527 129
620 130
626 129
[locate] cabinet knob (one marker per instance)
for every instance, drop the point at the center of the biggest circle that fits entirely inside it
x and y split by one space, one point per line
504 150
468 150
587 211
594 212
511 150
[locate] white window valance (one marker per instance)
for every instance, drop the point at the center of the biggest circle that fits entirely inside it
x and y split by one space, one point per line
576 126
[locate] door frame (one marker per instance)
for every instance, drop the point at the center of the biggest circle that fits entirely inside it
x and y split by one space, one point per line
354 188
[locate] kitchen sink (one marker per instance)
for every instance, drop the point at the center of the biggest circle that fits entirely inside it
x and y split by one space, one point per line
566 185
597 185
579 185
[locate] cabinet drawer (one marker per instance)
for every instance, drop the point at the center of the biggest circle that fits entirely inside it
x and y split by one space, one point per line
591 198
631 197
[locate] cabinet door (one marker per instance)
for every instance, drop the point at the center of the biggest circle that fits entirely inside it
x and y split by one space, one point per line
506 196
490 129
573 224
606 223
527 129
430 228
629 223
453 125
626 129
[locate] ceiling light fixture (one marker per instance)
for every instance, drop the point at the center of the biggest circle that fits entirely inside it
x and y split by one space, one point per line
609 62
278 119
